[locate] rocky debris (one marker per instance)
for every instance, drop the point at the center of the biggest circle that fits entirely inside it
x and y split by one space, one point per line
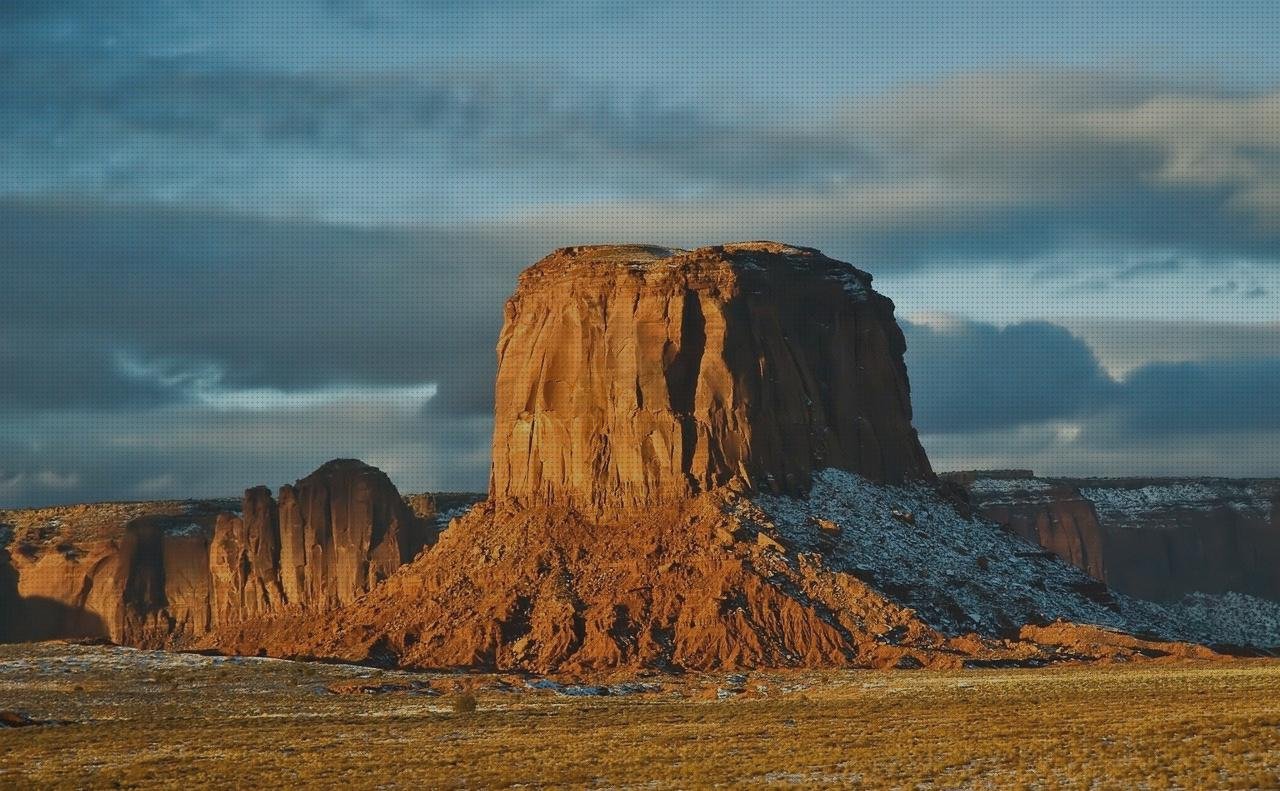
545 590
165 574
15 719
1230 620
1160 539
633 376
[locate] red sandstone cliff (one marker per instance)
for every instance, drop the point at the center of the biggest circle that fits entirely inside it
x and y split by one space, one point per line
134 572
332 536
632 376
166 573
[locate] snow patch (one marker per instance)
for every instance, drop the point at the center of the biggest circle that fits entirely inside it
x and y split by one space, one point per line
185 530
960 575
986 487
1121 502
1234 618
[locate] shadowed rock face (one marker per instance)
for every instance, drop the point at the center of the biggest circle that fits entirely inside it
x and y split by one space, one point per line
1153 538
634 376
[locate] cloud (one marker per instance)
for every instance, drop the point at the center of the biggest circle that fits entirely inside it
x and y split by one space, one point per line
192 449
285 305
968 376
205 386
1197 398
1124 345
377 146
1034 395
999 164
1148 269
296 217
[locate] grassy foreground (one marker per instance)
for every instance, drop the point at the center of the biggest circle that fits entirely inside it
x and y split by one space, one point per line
142 719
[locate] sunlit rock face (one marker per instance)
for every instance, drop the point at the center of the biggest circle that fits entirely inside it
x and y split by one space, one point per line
631 376
166 573
332 536
704 461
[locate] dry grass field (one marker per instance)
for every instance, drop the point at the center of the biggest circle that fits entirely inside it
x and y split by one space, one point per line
122 718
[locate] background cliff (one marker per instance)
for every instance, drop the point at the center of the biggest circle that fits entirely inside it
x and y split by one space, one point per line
1155 538
165 573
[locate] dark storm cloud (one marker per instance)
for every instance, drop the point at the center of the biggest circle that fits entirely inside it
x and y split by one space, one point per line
970 377
1004 165
271 303
45 368
197 353
1198 398
967 376
497 117
278 302
1013 165
214 214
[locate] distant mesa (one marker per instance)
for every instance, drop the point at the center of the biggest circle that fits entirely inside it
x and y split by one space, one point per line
1163 539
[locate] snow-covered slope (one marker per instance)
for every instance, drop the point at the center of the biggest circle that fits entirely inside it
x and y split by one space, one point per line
967 574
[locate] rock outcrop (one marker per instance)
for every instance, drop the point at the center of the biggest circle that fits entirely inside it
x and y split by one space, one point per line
701 460
704 460
332 536
166 573
133 572
1154 538
632 376
725 581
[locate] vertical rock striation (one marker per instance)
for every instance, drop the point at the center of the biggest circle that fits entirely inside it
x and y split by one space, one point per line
332 536
157 574
633 376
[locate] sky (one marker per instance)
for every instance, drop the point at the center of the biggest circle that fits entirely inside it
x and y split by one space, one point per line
239 239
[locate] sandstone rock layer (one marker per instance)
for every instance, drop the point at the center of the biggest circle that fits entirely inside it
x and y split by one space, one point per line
633 376
166 573
331 536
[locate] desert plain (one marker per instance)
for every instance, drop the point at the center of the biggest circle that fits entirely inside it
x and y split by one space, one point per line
112 717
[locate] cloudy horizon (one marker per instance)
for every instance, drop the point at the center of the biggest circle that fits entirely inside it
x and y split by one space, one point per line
242 239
